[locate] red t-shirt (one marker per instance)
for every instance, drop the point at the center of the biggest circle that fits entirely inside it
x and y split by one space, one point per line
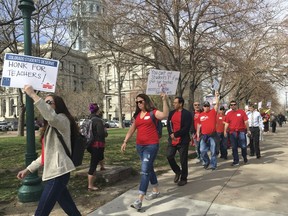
220 123
236 120
196 119
146 130
176 122
208 121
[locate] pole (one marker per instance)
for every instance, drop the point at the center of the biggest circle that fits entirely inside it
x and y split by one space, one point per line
31 188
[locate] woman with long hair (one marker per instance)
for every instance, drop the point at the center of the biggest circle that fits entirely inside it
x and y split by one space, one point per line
56 164
147 144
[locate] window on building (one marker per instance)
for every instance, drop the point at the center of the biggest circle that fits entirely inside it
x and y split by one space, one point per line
108 68
109 103
74 68
109 84
91 8
75 85
99 69
82 70
98 8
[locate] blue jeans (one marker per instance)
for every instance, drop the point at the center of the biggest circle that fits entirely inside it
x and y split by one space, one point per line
223 144
56 190
238 139
210 144
147 156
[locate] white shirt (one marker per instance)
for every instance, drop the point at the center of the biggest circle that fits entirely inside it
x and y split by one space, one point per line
256 121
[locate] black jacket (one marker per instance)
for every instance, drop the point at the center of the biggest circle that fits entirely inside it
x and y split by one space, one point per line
98 128
186 123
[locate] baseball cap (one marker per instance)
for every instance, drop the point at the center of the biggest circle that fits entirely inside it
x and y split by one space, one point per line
206 103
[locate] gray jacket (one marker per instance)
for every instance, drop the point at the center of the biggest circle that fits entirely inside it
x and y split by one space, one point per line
56 161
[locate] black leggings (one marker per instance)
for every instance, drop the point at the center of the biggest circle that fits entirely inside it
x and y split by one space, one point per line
97 155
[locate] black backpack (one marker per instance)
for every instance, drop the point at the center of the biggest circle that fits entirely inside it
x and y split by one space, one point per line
78 145
157 123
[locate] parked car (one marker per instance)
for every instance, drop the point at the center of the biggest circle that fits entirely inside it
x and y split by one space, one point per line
111 124
127 123
3 126
13 126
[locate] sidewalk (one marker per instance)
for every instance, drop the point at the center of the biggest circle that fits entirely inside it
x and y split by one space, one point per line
259 188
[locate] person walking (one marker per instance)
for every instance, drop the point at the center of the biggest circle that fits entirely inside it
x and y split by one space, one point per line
179 124
56 164
273 122
209 135
255 124
96 149
147 144
237 122
195 120
220 118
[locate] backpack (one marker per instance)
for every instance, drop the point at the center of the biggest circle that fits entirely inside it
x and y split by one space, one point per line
87 131
78 146
157 123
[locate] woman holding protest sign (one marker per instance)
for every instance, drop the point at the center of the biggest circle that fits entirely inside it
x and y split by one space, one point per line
56 164
147 143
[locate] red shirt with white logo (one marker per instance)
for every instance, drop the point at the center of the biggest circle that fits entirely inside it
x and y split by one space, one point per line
220 123
146 130
236 120
208 121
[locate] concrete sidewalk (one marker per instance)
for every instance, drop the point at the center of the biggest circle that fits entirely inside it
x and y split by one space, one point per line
258 188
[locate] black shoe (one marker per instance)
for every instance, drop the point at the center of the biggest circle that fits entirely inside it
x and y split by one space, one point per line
235 164
177 177
245 160
251 155
206 165
182 182
258 157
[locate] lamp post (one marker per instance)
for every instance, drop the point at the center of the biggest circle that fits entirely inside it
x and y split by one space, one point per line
31 188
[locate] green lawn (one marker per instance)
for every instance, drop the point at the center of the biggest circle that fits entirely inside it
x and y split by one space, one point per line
12 159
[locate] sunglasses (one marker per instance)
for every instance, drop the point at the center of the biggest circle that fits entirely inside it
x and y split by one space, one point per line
49 102
233 104
196 104
206 106
139 102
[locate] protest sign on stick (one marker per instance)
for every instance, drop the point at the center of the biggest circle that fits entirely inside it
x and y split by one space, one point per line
162 81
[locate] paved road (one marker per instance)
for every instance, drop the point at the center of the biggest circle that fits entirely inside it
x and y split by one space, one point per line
258 188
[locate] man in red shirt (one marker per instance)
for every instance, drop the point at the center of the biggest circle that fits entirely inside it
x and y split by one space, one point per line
237 122
178 126
208 129
196 113
220 132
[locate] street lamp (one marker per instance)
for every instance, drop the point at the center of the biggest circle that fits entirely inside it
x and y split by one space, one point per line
31 188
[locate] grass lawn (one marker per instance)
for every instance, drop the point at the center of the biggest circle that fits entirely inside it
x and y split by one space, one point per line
12 159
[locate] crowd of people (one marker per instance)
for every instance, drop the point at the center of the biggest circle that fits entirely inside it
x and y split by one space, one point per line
211 129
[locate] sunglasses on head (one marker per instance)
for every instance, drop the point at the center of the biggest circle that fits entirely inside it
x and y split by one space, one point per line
139 102
49 102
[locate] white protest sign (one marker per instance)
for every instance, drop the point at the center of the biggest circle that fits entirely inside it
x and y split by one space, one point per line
162 81
19 70
216 84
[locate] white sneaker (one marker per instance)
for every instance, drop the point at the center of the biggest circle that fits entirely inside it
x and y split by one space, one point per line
152 195
137 204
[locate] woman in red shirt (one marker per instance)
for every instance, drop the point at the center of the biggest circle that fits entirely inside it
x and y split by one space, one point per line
147 144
